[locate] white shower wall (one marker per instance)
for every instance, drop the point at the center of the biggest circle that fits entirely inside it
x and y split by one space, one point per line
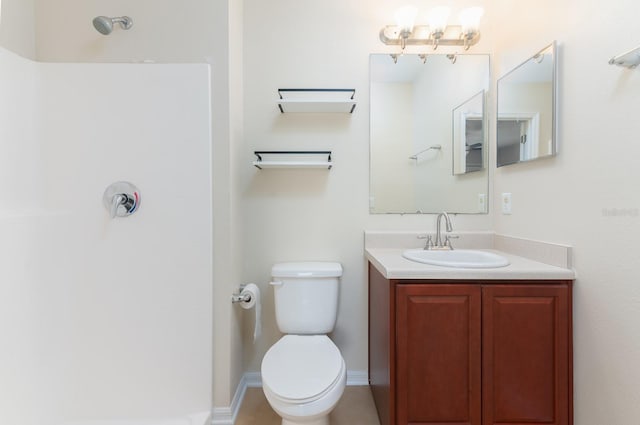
20 171
106 321
21 333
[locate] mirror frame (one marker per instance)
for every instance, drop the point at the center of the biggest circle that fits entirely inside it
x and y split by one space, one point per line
554 105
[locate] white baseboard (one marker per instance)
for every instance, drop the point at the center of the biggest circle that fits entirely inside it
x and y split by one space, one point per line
227 415
254 379
357 378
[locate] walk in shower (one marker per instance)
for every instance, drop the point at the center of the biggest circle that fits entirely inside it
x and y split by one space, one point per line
105 321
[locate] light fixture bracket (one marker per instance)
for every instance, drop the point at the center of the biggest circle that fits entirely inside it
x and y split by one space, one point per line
422 35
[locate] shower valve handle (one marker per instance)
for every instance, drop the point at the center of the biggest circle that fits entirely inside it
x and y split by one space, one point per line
118 200
121 199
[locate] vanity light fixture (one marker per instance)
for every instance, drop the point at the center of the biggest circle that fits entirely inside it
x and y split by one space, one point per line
437 33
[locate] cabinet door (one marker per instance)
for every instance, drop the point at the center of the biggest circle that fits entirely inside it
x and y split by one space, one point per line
438 354
526 354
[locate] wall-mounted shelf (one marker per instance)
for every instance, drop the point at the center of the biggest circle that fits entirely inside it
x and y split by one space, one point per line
292 159
317 100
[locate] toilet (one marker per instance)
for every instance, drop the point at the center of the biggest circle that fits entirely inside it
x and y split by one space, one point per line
304 374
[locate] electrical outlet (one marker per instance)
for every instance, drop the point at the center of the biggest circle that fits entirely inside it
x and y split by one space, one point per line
506 203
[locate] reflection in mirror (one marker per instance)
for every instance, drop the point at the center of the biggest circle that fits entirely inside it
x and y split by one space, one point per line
468 135
526 128
415 109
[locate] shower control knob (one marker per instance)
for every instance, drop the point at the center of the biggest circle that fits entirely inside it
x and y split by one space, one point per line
121 199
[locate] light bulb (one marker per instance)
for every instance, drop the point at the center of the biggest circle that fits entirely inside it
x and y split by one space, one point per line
470 20
405 17
438 19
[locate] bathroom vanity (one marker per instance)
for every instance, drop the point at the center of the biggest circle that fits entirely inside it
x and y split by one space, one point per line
469 346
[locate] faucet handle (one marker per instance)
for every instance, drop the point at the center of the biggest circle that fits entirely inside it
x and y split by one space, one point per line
429 241
447 240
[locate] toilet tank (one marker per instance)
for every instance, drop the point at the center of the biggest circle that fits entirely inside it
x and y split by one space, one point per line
306 296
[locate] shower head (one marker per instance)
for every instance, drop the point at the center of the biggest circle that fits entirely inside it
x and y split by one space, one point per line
104 24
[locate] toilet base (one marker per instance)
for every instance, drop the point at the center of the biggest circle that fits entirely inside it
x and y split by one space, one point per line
318 421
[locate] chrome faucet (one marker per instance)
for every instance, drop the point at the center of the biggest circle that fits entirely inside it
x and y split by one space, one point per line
439 243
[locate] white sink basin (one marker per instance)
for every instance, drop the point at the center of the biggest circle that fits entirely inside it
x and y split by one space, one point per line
460 258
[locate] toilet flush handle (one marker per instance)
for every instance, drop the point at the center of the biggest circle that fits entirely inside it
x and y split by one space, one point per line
276 283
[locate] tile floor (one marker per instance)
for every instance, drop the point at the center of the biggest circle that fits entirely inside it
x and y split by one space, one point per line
355 408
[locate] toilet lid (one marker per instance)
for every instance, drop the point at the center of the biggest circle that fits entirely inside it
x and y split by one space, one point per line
301 366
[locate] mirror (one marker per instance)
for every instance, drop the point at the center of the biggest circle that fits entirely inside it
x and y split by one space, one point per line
426 114
468 135
526 124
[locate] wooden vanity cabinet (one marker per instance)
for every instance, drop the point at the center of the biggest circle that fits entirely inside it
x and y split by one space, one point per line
470 352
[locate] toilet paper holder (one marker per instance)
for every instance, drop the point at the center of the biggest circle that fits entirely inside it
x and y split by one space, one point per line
240 297
248 297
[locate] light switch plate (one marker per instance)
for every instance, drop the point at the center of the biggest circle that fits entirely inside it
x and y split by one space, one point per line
506 203
482 202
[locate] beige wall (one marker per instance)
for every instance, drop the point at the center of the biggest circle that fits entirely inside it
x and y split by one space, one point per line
571 198
235 244
293 215
185 31
17 27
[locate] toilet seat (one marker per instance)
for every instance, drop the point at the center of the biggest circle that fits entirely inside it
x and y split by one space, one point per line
302 368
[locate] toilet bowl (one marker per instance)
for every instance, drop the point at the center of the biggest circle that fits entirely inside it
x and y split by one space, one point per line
303 378
304 374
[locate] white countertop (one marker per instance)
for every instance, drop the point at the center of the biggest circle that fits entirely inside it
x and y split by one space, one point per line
392 265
